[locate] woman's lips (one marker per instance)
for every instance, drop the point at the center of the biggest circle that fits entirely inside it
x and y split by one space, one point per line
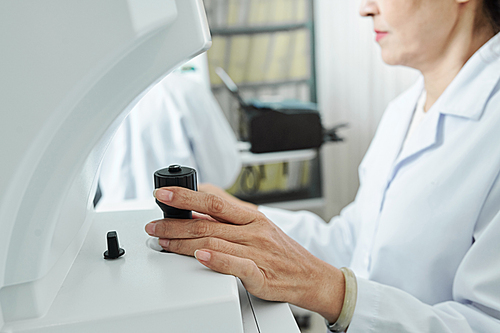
380 35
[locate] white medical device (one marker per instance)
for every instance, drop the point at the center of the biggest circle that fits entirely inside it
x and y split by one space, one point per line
69 72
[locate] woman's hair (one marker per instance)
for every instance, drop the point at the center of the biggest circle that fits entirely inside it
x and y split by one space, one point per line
491 9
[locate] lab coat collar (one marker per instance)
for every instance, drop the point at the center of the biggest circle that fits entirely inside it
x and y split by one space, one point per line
473 84
401 113
424 138
479 75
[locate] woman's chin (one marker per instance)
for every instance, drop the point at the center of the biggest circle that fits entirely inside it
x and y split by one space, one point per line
390 59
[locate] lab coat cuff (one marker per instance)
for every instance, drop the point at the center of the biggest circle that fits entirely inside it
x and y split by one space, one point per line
367 307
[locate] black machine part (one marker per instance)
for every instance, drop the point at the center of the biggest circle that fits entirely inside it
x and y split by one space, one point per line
175 175
330 135
289 127
114 250
270 130
280 130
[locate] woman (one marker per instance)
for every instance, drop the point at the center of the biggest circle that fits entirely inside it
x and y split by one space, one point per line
422 236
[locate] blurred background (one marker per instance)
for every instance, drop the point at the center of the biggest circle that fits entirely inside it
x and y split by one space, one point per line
312 54
317 51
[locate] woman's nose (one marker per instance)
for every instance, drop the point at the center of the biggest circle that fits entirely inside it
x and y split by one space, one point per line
368 8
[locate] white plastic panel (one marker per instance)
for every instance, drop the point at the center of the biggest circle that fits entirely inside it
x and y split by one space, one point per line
70 71
149 14
143 291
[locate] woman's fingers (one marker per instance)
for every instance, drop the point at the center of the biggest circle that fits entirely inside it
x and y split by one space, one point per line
209 188
252 277
206 203
192 229
189 246
202 217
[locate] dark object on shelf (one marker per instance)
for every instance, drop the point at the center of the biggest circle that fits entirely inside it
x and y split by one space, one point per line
280 126
288 125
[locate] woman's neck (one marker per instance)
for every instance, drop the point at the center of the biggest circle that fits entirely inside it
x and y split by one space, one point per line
441 72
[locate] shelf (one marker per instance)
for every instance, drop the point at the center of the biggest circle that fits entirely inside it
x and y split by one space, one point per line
263 84
268 53
249 158
313 204
230 31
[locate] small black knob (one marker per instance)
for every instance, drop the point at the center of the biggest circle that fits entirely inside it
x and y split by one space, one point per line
114 250
174 168
175 175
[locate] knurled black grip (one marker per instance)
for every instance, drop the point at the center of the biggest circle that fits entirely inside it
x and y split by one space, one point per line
175 175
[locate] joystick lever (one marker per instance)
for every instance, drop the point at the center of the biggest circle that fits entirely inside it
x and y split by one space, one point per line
175 175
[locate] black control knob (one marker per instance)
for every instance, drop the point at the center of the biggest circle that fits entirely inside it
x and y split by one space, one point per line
114 250
175 175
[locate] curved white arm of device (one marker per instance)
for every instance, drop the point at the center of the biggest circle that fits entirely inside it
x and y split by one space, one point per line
70 71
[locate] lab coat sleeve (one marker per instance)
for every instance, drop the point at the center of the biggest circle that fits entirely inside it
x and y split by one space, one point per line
382 308
475 306
332 242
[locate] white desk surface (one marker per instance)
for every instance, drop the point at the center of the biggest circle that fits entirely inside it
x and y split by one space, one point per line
150 291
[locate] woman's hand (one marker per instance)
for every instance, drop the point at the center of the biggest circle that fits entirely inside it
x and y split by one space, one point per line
240 241
209 188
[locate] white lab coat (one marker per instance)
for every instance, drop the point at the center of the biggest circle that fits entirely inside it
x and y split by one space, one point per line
423 234
177 122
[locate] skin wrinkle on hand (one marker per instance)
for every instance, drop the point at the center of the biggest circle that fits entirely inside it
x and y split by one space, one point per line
241 241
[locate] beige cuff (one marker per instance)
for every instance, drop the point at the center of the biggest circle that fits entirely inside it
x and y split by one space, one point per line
350 296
